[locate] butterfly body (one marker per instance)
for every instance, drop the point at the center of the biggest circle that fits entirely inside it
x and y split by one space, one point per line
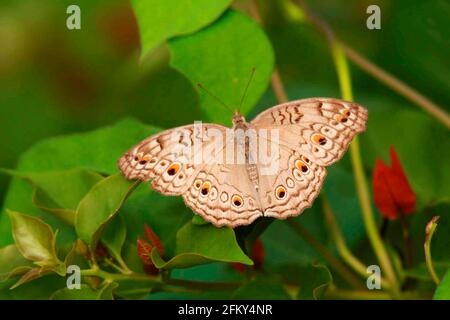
272 166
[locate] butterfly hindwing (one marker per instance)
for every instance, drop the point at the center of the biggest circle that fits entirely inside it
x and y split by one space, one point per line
222 196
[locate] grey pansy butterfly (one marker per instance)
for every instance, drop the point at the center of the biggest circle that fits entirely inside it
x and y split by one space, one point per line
229 177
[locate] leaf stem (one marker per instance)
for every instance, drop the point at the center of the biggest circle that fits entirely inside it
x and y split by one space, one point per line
278 87
341 246
343 72
337 265
276 83
398 86
97 272
429 232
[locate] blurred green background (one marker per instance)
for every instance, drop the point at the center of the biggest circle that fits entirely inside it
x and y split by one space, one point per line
55 81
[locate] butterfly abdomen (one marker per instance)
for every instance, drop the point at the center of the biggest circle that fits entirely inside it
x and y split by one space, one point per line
253 175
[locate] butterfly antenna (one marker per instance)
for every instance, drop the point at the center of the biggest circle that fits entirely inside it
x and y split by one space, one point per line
246 88
215 97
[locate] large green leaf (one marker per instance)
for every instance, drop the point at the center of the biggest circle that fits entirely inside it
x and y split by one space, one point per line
114 237
59 192
161 20
443 290
221 58
97 150
198 244
41 288
100 206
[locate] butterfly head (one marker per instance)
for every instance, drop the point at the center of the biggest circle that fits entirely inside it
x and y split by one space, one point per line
238 118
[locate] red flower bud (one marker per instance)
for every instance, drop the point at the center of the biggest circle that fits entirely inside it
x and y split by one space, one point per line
154 239
391 188
144 250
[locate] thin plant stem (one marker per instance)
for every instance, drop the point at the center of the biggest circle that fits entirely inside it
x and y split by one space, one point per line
429 232
360 178
337 265
341 246
97 272
114 266
276 83
278 87
398 86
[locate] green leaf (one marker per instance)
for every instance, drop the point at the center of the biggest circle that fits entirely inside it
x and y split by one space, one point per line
100 206
196 219
165 215
262 288
97 151
84 293
40 288
34 239
161 20
221 58
114 237
315 279
32 274
59 192
107 291
199 244
12 262
340 190
443 290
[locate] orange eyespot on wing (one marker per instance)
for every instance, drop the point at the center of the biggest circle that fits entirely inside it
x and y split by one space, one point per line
319 139
173 169
237 201
300 165
205 188
280 192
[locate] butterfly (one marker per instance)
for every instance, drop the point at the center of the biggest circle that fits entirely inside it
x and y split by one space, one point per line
219 171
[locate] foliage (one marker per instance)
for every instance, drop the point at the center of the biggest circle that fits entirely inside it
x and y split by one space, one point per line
66 203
